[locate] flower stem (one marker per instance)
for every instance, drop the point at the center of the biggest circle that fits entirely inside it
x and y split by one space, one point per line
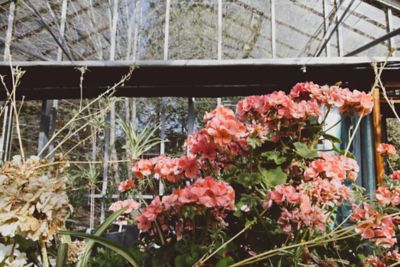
43 250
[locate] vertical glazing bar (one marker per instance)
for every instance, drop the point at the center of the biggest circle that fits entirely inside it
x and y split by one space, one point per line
389 26
273 29
114 29
6 133
106 160
219 49
162 136
339 29
9 31
62 26
191 116
44 127
6 136
326 24
136 41
163 99
166 30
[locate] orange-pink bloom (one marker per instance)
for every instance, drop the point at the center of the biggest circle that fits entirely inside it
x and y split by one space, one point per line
386 149
396 175
129 204
126 185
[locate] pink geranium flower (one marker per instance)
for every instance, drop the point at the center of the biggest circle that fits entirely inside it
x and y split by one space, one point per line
190 166
129 204
126 185
386 149
396 175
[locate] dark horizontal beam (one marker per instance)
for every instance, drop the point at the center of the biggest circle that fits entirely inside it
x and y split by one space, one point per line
193 78
374 42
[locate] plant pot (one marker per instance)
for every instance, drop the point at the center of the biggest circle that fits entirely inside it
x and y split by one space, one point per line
126 238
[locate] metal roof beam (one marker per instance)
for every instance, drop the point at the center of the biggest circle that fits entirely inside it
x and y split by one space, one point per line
390 3
374 42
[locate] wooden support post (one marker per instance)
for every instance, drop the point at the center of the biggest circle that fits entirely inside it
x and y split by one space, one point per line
380 166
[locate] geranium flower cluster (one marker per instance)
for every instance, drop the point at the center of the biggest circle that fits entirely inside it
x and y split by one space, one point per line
347 101
296 209
388 195
170 169
271 113
302 204
223 134
332 167
374 225
390 259
278 109
208 194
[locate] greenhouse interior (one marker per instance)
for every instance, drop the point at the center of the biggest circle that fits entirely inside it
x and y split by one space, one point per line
199 133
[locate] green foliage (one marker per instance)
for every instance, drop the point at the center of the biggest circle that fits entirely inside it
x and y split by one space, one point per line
225 262
139 143
105 258
90 241
248 179
304 151
273 177
123 252
274 156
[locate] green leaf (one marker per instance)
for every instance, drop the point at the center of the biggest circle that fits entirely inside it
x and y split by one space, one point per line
83 262
225 262
274 156
107 243
303 151
248 179
254 142
180 261
62 250
273 177
62 254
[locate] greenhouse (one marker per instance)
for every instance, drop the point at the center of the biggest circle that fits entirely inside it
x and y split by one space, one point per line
199 133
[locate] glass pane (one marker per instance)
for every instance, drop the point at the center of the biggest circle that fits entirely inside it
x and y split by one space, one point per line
299 27
246 29
88 29
396 25
193 29
29 33
152 24
364 24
